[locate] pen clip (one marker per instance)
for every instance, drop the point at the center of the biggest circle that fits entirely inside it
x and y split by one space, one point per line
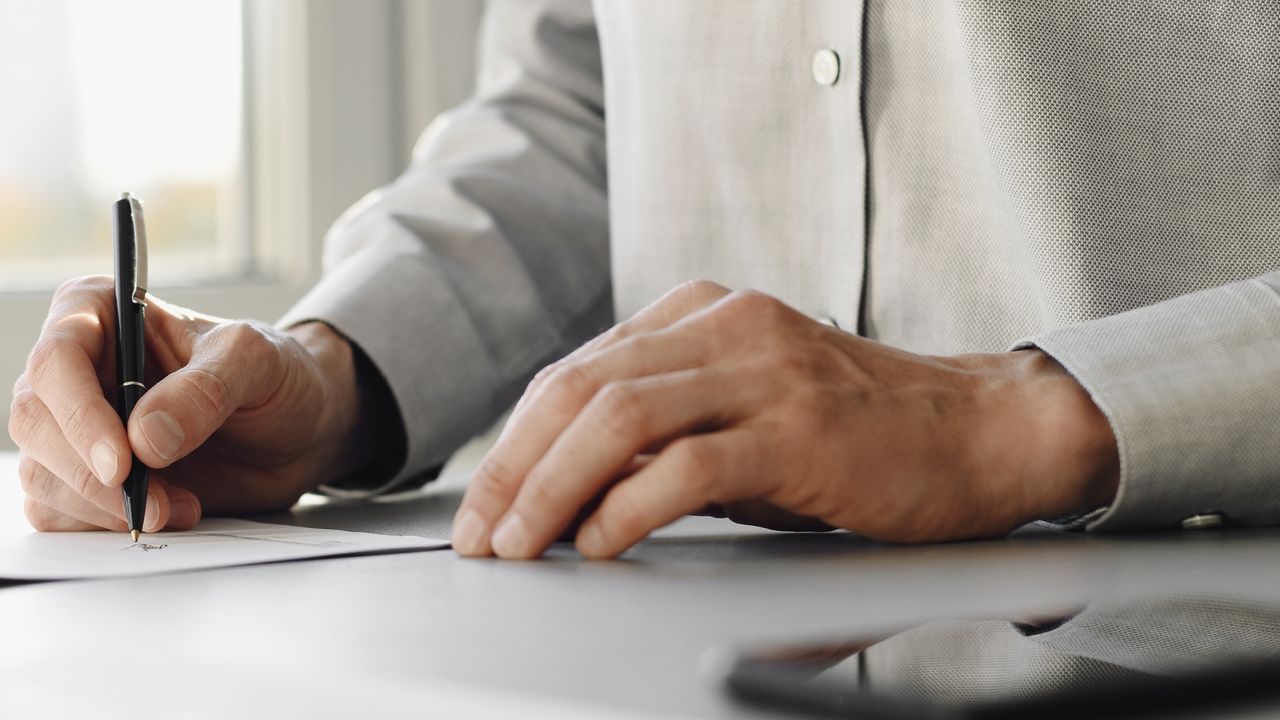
139 251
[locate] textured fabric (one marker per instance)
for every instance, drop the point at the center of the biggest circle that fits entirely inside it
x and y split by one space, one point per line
1108 643
982 173
976 661
489 256
727 161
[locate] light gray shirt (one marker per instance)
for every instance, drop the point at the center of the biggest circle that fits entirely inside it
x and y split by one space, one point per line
1100 180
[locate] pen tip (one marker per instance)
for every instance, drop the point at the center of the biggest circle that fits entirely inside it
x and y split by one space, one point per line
125 196
134 533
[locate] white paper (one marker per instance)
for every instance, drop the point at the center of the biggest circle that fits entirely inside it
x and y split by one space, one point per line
213 543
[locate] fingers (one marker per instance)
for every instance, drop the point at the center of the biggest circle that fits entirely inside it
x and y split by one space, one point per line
185 509
685 477
46 519
561 390
235 365
661 339
167 506
66 370
45 489
63 376
622 420
46 447
217 367
531 431
675 305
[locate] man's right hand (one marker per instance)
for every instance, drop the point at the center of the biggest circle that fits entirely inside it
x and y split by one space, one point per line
239 416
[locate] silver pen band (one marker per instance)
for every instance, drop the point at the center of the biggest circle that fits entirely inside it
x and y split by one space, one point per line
135 383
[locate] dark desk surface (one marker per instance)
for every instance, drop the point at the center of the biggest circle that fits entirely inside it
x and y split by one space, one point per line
430 634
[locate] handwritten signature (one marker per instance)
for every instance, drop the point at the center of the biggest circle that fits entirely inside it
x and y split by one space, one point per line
145 547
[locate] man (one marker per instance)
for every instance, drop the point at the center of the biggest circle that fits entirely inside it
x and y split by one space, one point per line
1054 228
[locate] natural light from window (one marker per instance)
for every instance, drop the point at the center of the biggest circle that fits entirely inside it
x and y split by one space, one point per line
103 97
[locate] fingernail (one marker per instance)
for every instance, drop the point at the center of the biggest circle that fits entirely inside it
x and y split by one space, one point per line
468 533
163 432
590 540
511 539
105 461
183 513
150 520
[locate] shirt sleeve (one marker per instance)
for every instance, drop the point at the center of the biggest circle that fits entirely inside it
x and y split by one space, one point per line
489 256
1191 387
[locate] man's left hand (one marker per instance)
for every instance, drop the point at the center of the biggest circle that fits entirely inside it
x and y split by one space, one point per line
732 399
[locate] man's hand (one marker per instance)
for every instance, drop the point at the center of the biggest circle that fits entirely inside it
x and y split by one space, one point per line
709 398
238 416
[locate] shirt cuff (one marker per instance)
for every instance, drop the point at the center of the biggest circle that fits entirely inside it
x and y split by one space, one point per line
1191 388
427 351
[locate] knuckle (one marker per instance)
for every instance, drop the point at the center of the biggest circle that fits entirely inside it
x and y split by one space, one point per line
643 345
77 425
544 373
20 385
28 471
688 296
37 484
493 475
240 333
620 410
246 341
43 355
624 520
39 516
80 480
695 462
26 465
86 284
571 383
42 490
610 335
206 392
540 379
538 494
699 290
750 303
23 415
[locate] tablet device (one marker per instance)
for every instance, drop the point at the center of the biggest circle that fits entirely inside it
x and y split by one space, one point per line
1141 657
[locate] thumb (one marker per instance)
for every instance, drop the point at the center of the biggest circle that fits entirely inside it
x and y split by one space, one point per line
233 365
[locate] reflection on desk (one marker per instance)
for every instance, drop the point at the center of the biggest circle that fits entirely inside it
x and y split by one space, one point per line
1122 657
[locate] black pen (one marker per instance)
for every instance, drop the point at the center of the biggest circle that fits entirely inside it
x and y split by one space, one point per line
131 304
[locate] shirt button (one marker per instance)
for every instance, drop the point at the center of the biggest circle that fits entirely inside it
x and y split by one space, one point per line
826 67
1202 522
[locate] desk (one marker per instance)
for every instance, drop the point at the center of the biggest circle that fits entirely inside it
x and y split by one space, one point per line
432 635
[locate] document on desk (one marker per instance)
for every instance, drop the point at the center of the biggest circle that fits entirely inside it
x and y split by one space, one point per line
213 543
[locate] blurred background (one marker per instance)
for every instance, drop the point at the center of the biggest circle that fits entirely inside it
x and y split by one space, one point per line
245 126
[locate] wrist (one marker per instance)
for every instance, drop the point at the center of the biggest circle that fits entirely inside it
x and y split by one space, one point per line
339 448
1063 455
362 440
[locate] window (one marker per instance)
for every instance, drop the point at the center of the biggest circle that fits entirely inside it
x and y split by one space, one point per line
252 125
142 96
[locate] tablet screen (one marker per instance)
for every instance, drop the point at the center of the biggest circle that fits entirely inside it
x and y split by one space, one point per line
1120 656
